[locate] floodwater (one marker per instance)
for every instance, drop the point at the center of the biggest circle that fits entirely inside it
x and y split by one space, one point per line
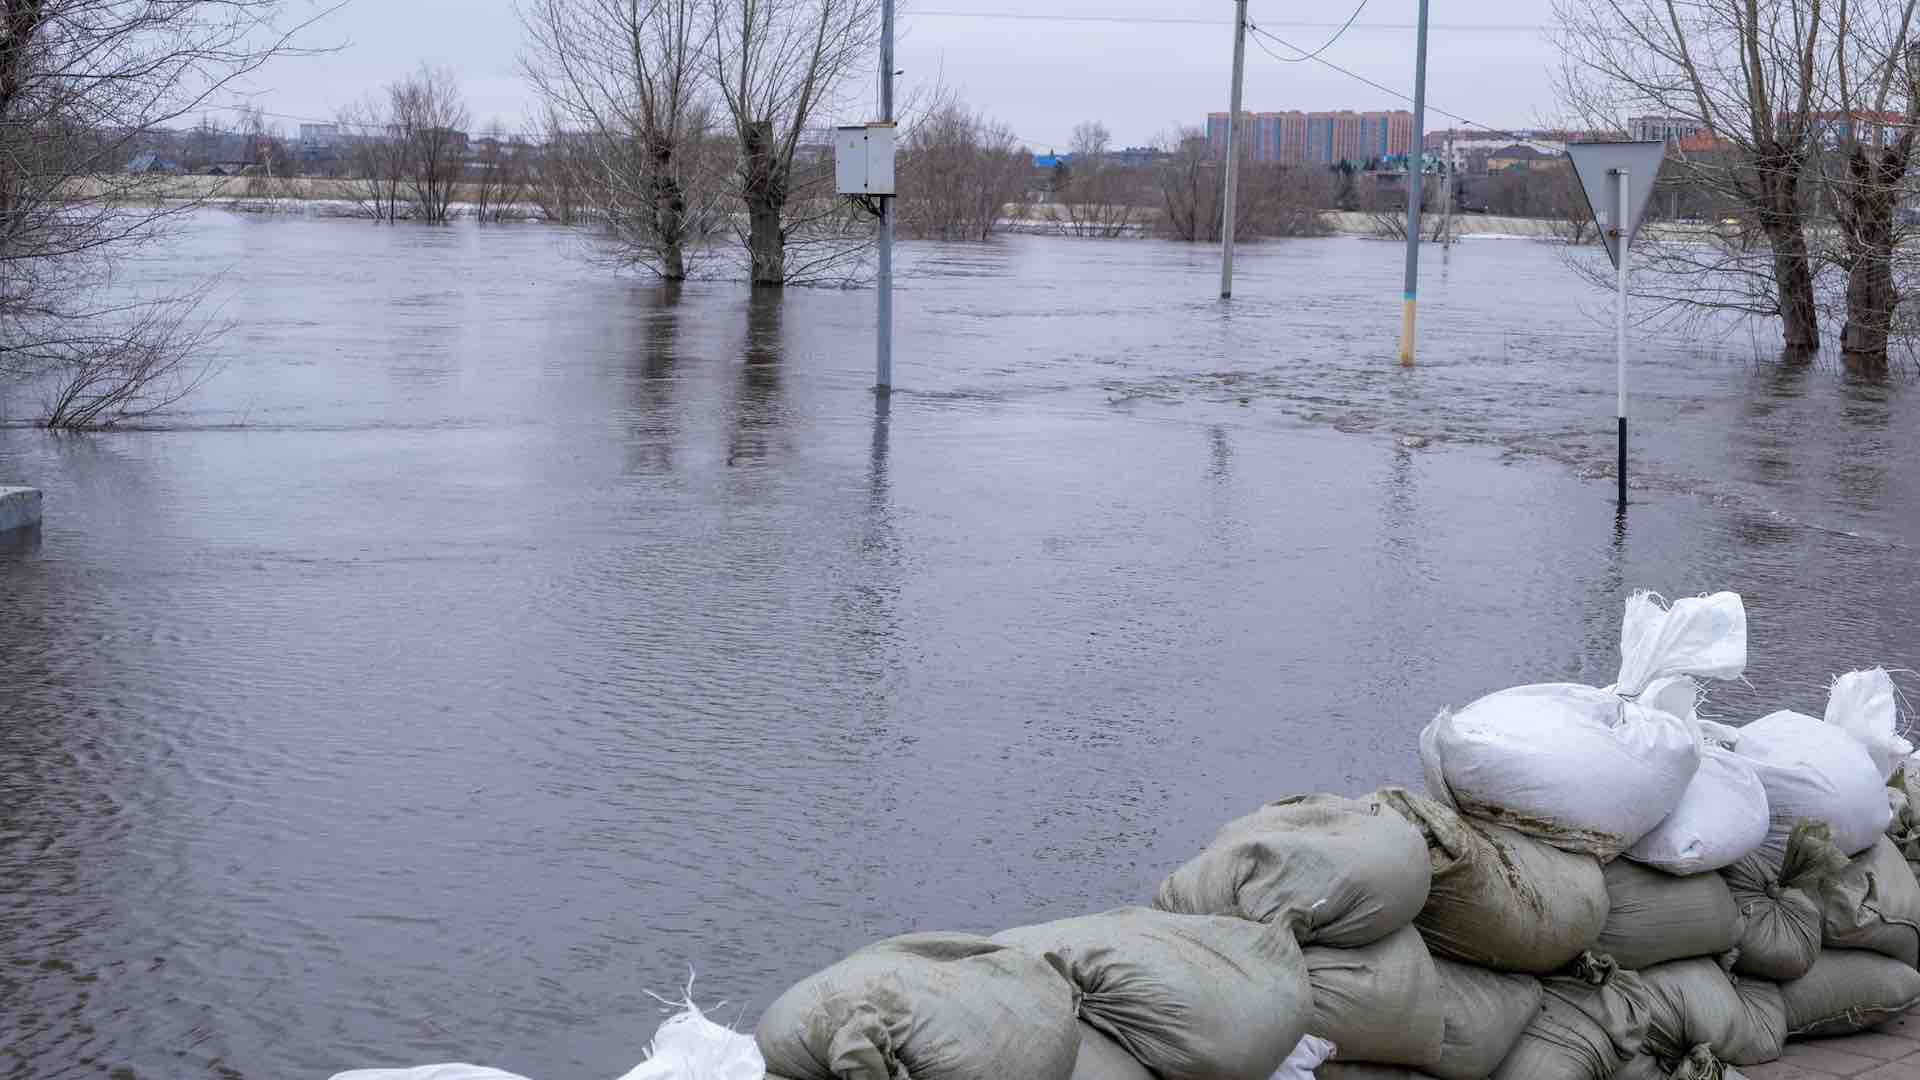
495 638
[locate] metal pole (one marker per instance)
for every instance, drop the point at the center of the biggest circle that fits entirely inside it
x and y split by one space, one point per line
1621 230
1233 153
883 360
1416 185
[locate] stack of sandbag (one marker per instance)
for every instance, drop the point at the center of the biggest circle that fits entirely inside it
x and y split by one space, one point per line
1587 769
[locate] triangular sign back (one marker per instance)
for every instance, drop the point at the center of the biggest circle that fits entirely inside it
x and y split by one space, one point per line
1599 165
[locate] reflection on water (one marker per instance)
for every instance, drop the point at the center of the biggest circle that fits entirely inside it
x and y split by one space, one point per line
496 637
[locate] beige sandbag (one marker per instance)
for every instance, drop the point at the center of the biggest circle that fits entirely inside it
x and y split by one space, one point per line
1103 1059
929 1006
1695 1003
1592 1023
1873 904
1381 1004
1342 872
1849 990
1486 1012
1780 915
1501 900
1654 917
1191 997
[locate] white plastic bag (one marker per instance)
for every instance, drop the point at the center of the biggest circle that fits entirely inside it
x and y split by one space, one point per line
689 1046
1593 770
429 1073
1721 819
1864 704
1813 770
1311 1053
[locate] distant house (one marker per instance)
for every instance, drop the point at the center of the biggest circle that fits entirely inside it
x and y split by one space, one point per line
232 168
1520 158
152 164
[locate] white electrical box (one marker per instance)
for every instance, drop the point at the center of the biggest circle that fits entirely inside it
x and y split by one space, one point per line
863 159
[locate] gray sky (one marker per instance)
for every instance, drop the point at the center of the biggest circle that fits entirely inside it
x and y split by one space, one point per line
1489 61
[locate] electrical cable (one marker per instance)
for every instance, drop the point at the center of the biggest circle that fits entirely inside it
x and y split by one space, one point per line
1337 35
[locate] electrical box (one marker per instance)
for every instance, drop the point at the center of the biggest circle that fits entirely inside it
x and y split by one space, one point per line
863 159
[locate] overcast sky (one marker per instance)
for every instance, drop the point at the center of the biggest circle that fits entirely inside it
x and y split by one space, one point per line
1488 60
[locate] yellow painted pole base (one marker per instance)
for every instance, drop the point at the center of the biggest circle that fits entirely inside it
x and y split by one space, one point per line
1406 331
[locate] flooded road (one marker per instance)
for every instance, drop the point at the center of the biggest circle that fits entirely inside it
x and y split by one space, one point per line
494 639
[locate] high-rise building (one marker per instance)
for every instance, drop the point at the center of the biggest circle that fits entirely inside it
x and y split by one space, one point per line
1320 138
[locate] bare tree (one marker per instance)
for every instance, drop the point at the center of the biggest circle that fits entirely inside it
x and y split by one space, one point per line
959 171
499 174
377 160
780 66
1098 199
1876 64
431 116
627 76
81 81
1189 182
1748 73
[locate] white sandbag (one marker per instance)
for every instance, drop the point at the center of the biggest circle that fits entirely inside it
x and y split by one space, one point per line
1103 1059
430 1072
1654 917
1592 770
1873 904
1865 705
1342 872
1848 991
688 1046
1191 997
1381 1004
1721 818
1501 900
1312 1053
929 1006
1814 771
1486 1013
1361 1070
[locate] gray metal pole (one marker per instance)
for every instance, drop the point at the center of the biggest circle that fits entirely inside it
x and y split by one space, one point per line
1620 314
1416 188
1233 151
883 360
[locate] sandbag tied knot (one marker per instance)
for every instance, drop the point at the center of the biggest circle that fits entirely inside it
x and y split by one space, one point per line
1594 969
1699 1064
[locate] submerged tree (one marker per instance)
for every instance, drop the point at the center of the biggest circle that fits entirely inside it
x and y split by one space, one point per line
430 116
81 81
625 76
780 65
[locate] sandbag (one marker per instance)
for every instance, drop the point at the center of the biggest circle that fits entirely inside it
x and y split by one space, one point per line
1699 1064
1721 818
1780 911
1485 1012
1849 990
1873 904
1191 997
1814 771
1865 705
1358 1070
1309 1055
1499 899
1694 1003
1382 1004
1103 1059
1592 1022
930 1006
1592 770
1342 872
1904 828
1653 917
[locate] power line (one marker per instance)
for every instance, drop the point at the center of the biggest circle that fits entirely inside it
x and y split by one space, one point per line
1162 20
1324 62
1337 35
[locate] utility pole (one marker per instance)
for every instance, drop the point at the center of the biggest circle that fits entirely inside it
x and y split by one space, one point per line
1416 188
1448 179
1624 223
883 360
1233 152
